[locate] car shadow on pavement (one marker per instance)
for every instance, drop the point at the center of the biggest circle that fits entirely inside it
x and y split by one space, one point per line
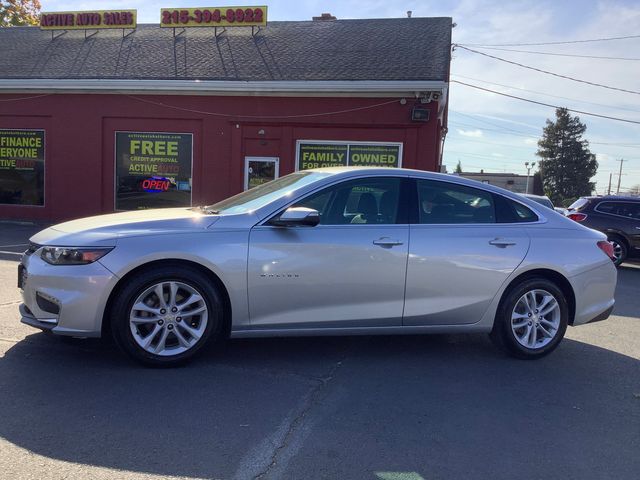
443 406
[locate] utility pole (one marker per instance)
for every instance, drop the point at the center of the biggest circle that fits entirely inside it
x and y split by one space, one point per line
619 176
609 189
526 164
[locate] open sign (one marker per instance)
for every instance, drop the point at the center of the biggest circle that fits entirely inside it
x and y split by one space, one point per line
155 184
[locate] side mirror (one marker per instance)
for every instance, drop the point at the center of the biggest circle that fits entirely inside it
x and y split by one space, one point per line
297 217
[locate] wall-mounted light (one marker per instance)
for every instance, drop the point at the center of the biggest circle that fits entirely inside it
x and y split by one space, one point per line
419 114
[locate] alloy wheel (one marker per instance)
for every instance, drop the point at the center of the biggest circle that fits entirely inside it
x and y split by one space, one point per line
535 319
617 251
168 318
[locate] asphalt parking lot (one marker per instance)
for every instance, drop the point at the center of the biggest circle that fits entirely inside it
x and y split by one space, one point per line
390 408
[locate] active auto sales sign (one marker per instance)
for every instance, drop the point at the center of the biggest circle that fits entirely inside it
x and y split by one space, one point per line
88 20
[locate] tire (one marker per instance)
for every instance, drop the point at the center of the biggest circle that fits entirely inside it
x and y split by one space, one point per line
620 249
174 334
514 319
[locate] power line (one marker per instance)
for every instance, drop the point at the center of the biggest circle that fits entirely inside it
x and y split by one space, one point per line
566 77
547 104
566 42
482 119
573 55
617 107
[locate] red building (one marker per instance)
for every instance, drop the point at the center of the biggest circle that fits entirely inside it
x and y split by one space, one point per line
159 117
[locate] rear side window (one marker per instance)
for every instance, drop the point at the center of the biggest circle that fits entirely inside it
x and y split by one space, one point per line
442 202
509 211
579 204
622 209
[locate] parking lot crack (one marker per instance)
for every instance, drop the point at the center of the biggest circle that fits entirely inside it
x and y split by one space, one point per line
296 421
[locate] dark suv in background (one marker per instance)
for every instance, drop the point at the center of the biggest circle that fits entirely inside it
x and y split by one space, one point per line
617 217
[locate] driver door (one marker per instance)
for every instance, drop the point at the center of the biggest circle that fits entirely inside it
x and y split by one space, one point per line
348 271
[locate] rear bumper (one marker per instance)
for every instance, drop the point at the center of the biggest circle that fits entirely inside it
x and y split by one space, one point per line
594 292
603 316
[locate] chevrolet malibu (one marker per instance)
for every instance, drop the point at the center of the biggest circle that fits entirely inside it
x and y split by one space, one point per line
322 252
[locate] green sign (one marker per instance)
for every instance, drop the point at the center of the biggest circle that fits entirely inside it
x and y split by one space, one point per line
153 170
317 155
22 167
341 154
361 155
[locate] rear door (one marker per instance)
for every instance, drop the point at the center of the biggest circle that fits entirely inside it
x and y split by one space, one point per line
348 271
459 255
618 217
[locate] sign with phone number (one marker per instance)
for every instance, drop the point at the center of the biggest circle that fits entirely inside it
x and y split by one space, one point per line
214 17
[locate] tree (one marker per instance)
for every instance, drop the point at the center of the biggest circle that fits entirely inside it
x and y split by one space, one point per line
566 164
458 167
19 12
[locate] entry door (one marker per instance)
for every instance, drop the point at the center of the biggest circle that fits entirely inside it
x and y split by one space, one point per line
460 255
348 271
259 170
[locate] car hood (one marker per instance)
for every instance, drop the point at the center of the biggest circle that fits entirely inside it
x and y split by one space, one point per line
106 229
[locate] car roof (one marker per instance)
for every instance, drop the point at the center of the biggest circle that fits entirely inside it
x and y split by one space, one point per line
626 198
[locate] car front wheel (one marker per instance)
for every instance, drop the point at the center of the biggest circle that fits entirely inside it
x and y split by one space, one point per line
531 319
164 316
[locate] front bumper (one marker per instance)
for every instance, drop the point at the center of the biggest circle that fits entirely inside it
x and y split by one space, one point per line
79 291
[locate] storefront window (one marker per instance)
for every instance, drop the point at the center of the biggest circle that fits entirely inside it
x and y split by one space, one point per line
153 170
22 167
260 170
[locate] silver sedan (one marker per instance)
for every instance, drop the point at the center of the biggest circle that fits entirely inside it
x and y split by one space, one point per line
322 252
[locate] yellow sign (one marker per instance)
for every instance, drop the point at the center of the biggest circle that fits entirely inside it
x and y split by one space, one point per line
88 20
213 17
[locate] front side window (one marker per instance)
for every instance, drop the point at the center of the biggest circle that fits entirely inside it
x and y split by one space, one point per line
362 201
443 202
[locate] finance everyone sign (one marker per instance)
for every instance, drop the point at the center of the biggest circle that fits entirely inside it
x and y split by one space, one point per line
317 154
22 167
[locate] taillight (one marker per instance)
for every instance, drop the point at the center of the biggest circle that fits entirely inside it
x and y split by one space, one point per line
578 217
607 248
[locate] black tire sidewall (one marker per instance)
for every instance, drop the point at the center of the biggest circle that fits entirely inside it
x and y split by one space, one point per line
136 285
502 331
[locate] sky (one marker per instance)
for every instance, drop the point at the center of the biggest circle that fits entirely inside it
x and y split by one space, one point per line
488 131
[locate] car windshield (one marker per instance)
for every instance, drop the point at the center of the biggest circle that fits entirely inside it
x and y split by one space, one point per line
264 194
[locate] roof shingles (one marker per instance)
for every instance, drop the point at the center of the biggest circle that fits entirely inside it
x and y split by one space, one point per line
378 49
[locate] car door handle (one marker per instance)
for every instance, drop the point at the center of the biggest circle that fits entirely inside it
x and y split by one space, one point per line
501 242
387 242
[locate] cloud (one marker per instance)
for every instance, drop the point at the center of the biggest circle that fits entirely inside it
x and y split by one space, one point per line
530 141
470 133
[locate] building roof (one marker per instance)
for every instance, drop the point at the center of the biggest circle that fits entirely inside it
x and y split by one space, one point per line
400 49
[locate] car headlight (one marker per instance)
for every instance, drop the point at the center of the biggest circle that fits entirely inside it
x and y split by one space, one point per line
72 256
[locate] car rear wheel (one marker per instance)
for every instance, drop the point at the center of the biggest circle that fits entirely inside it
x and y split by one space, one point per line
531 319
620 251
163 317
